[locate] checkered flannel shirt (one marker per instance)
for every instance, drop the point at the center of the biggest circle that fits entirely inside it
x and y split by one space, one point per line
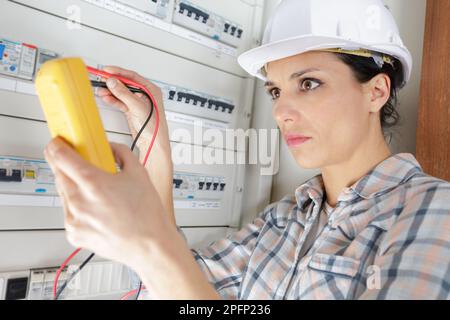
387 238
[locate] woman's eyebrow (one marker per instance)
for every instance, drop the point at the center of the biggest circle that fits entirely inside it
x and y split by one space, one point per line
293 76
301 73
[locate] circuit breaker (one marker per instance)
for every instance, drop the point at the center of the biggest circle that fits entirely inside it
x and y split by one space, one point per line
191 16
21 60
195 103
23 179
17 59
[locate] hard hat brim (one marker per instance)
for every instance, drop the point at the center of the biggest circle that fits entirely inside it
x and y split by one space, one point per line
254 60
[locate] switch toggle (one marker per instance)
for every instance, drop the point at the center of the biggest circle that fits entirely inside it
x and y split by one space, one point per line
177 183
15 176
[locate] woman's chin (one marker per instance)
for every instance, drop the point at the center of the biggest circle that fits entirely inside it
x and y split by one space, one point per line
305 161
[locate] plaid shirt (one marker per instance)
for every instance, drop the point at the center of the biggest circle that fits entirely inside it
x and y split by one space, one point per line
387 238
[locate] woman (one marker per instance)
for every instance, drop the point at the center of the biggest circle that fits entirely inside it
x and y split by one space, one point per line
371 226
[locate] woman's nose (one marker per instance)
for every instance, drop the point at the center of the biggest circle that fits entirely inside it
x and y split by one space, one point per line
285 111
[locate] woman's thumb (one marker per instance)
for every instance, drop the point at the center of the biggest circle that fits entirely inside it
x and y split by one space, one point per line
124 157
121 92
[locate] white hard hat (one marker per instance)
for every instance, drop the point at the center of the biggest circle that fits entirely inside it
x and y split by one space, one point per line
361 27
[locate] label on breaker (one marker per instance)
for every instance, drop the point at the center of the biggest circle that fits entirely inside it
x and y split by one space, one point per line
17 59
189 120
183 204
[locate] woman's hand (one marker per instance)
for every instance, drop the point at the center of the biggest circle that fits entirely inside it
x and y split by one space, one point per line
112 215
136 108
121 217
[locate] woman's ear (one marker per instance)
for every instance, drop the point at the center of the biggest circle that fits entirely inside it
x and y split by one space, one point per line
378 91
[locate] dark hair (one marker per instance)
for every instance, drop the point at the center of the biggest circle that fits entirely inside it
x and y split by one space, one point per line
364 69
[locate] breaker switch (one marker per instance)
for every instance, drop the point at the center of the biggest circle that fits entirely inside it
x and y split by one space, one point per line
215 186
202 101
239 35
208 185
16 176
172 94
201 185
177 183
222 186
191 10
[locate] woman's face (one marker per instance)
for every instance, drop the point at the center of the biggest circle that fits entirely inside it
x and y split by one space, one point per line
316 95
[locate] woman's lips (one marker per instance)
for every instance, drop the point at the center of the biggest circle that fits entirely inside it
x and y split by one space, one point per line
296 140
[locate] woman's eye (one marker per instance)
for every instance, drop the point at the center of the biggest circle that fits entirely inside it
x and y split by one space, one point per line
309 84
274 93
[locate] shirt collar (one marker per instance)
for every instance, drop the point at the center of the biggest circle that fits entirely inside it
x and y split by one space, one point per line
385 176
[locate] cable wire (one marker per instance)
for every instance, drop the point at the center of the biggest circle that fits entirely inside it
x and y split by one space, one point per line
72 276
139 291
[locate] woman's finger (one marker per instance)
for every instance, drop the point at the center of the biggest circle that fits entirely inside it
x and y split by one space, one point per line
125 158
113 101
132 76
101 92
70 163
126 74
122 93
80 235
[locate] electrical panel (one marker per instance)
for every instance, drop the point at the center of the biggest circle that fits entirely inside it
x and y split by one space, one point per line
176 27
184 107
30 183
97 279
189 50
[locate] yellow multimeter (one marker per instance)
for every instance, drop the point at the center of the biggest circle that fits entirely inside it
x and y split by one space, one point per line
69 106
